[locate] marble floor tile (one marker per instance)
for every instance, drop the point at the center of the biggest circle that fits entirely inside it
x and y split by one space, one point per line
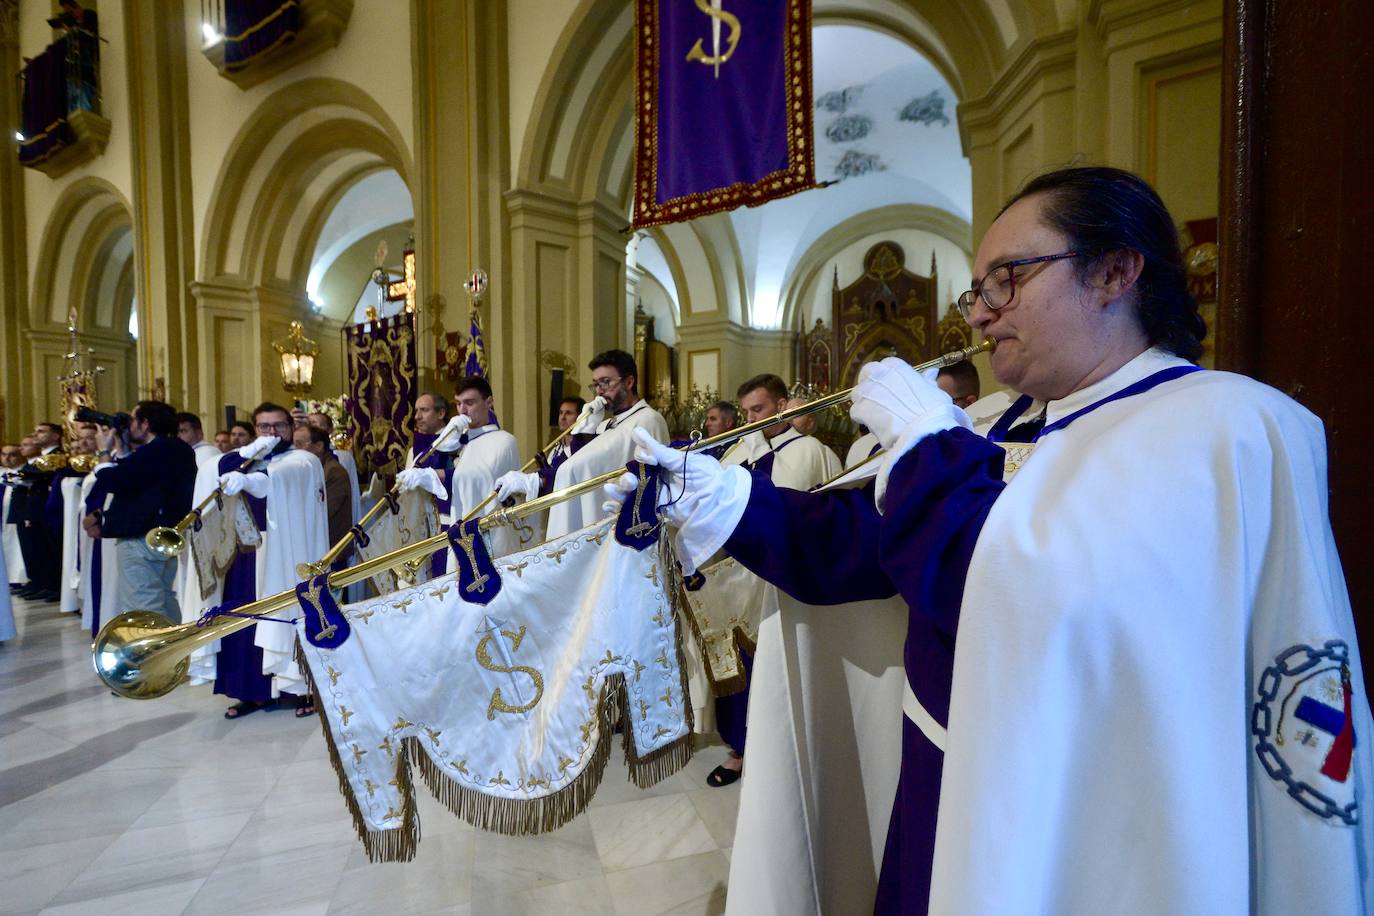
31 876
152 856
584 897
168 899
717 808
504 865
649 830
439 876
692 886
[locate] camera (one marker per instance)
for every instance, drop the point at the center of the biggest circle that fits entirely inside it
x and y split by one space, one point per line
118 421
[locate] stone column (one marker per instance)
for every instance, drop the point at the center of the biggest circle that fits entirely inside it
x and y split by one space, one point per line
164 229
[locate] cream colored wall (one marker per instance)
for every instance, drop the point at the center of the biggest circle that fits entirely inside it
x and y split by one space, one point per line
115 166
373 54
533 29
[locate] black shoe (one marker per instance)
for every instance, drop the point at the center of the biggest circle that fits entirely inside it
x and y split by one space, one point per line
26 592
48 597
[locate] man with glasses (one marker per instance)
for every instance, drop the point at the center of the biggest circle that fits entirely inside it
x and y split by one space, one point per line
1133 684
285 495
600 441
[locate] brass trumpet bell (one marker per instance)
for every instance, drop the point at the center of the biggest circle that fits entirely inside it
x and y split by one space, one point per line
142 655
165 542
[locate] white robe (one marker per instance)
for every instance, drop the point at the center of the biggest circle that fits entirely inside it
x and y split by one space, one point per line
861 449
802 462
1128 594
800 465
826 696
14 559
613 447
297 532
206 451
485 458
69 582
7 628
109 567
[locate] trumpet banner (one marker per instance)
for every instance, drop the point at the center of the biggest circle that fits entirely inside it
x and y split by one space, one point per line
725 614
415 519
506 708
219 535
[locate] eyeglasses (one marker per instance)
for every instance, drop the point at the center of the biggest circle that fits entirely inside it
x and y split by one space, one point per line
268 428
998 286
600 383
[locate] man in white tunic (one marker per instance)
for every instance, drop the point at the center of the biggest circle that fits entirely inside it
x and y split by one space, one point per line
601 443
789 459
10 463
284 489
190 431
1133 680
484 453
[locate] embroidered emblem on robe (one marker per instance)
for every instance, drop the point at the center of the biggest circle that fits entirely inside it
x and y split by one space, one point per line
1304 729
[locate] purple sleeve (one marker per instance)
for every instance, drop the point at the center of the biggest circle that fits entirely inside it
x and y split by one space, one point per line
834 547
938 496
821 548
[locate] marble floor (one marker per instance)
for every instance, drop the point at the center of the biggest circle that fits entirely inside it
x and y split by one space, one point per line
165 807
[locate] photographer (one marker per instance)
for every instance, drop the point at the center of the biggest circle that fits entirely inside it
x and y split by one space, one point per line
151 486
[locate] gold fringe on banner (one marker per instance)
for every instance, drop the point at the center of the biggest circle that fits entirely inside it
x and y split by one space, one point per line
509 816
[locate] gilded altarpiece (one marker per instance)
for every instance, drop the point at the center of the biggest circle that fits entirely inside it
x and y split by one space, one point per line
887 311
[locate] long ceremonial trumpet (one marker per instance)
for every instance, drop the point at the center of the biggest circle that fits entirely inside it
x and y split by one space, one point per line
142 655
170 542
307 570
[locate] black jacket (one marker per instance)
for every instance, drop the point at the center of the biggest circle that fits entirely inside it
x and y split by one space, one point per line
151 487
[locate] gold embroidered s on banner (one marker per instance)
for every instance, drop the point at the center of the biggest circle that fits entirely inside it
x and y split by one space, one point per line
518 735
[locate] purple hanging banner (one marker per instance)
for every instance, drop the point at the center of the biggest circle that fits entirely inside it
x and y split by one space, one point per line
382 380
723 112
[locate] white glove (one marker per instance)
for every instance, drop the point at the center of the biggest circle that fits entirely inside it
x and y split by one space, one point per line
452 432
259 447
593 412
236 482
516 483
701 499
421 479
901 407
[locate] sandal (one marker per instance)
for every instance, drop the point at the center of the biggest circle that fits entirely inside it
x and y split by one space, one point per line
239 710
723 776
305 708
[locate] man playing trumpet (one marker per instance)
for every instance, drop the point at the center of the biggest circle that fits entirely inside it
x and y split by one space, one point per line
1106 656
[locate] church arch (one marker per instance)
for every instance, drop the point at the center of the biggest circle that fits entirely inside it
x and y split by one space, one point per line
288 165
86 264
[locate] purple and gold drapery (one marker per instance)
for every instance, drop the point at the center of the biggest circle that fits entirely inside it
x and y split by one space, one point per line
255 27
382 378
723 112
44 119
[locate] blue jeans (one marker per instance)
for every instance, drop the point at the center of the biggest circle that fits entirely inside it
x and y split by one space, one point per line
145 580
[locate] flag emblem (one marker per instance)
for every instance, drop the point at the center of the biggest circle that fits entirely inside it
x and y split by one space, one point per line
1304 730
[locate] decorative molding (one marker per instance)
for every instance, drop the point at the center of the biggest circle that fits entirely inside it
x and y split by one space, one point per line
1051 55
322 25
